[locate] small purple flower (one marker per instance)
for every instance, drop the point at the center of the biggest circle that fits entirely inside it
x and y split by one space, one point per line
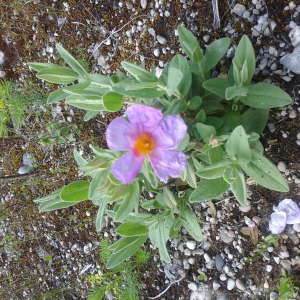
148 134
287 212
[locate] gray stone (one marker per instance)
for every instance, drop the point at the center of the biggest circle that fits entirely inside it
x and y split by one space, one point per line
269 268
144 4
193 286
239 9
292 61
223 277
230 284
293 114
2 57
240 284
225 237
191 244
210 265
246 14
295 36
281 166
273 296
161 39
198 252
286 264
2 74
220 262
216 285
156 52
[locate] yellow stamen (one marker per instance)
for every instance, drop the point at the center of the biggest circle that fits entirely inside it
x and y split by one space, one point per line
144 144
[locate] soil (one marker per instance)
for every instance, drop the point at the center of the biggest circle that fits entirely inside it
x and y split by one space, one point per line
27 237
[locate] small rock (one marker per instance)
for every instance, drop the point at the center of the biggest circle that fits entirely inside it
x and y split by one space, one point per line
2 57
284 254
286 264
23 170
210 265
281 166
256 219
296 227
216 285
220 262
291 61
239 9
206 38
225 237
161 39
193 286
277 259
187 252
223 277
156 52
245 208
240 285
191 244
186 264
293 114
230 52
2 74
295 36
246 14
198 252
143 4
230 233
266 284
269 268
207 257
273 296
191 260
230 284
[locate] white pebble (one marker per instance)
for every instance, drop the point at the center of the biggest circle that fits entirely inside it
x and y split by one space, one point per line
281 166
191 244
293 114
223 277
240 285
269 268
230 284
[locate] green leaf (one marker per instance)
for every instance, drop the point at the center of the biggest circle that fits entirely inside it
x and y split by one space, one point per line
129 202
101 201
214 121
98 183
215 170
169 198
80 89
265 173
209 189
195 103
101 80
190 223
75 191
215 154
189 42
71 61
238 187
146 93
112 101
183 143
244 52
266 95
127 247
57 96
175 227
92 103
79 159
237 146
139 73
174 78
211 107
120 191
180 63
206 131
214 53
132 229
106 153
230 121
190 176
41 66
200 117
150 174
235 91
254 119
217 86
90 114
177 106
59 75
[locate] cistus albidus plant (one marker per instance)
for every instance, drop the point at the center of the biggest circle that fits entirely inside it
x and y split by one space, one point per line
183 128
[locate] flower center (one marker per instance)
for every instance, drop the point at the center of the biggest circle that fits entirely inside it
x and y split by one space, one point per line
144 144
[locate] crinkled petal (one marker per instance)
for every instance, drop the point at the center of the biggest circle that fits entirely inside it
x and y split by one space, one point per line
167 163
127 167
145 119
120 135
169 132
292 210
277 222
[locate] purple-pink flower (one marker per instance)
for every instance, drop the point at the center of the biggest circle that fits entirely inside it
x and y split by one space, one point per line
287 212
147 134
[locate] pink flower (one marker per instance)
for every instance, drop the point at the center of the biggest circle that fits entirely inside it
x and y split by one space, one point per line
287 212
147 134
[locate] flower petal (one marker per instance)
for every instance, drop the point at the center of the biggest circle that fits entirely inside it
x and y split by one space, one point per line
292 210
167 163
127 167
169 132
277 222
120 135
143 117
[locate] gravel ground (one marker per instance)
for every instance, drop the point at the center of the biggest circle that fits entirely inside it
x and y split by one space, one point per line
105 33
